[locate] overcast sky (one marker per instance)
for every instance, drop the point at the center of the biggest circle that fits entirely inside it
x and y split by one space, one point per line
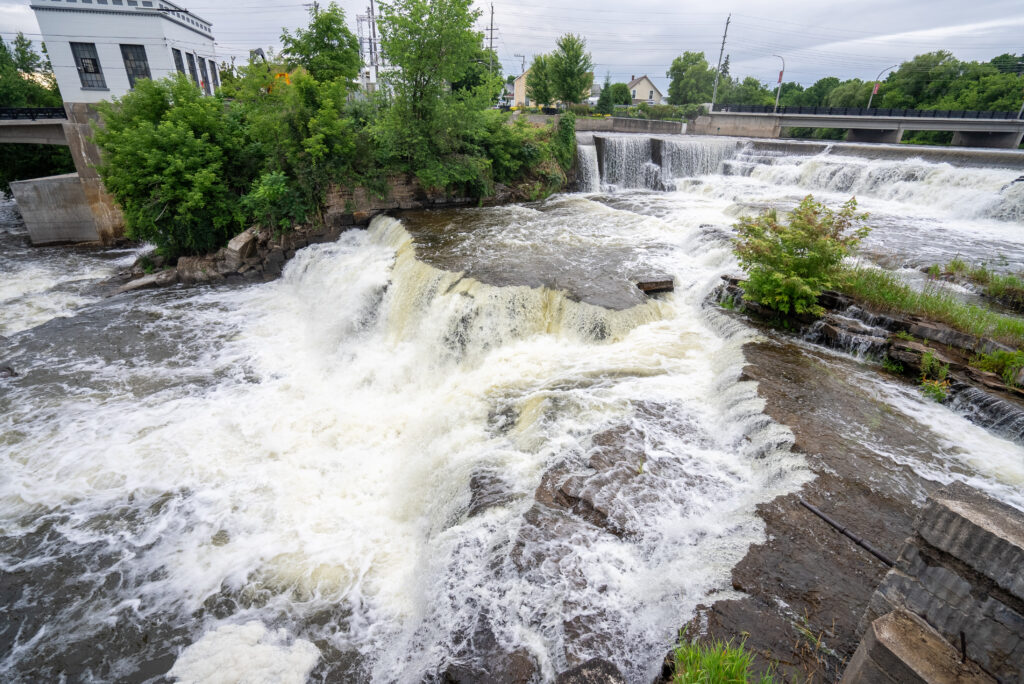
817 38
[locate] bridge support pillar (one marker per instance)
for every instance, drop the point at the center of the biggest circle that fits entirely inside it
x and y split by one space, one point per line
866 135
78 132
980 139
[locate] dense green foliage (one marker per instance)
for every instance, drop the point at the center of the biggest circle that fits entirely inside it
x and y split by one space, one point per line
789 263
191 171
565 75
572 69
716 663
327 49
620 94
692 79
17 161
540 86
604 100
173 160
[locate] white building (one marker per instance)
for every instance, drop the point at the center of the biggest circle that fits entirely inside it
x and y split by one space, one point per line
99 48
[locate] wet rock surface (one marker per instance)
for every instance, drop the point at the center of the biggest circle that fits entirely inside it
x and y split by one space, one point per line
807 586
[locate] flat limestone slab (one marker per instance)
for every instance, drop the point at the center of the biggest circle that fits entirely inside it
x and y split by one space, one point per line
901 648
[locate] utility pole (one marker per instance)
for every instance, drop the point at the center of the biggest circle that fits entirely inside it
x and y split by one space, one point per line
491 32
778 89
522 70
714 92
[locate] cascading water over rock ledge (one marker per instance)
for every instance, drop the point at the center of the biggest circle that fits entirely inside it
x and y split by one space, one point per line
428 448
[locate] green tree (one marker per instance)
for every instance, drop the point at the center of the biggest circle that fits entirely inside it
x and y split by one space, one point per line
790 262
540 87
481 70
692 79
571 68
621 94
750 91
430 129
604 100
327 48
19 161
851 93
172 160
26 59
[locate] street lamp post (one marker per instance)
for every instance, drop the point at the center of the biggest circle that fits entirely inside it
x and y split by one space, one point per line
778 89
877 83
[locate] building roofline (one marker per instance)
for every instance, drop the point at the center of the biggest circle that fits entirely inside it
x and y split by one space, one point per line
141 12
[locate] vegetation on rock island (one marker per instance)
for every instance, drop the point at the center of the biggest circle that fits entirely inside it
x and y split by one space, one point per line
191 171
789 263
26 80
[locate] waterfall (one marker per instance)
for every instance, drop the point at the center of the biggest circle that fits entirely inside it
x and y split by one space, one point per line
588 178
653 163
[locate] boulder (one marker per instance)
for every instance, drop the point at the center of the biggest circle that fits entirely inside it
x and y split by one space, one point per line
594 671
194 270
240 248
158 279
8 372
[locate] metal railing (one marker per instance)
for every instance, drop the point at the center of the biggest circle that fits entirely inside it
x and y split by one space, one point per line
864 111
32 113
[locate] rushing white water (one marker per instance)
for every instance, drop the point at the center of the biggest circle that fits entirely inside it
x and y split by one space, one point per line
588 176
350 474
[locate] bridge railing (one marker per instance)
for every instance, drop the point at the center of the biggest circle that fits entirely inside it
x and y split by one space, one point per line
32 113
864 111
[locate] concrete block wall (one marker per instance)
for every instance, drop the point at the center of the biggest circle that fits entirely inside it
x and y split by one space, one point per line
963 571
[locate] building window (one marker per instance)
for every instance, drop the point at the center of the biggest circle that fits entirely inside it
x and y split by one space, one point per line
634 93
214 76
206 77
651 96
192 67
88 63
179 63
135 63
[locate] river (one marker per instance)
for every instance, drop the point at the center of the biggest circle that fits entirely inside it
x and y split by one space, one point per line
456 440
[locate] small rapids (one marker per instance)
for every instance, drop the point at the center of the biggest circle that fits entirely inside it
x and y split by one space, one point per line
441 445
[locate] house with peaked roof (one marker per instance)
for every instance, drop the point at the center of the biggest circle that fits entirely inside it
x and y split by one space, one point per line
643 90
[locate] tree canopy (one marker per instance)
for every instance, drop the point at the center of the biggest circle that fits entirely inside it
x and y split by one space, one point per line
692 79
540 87
327 48
571 69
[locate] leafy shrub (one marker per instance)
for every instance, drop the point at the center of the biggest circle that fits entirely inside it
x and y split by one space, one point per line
932 368
892 365
1005 364
714 664
936 390
172 159
790 263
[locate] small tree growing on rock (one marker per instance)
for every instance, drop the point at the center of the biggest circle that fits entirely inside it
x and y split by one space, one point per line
790 262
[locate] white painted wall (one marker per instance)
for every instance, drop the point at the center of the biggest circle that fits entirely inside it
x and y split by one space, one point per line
108 27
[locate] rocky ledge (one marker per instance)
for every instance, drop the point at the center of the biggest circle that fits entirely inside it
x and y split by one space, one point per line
253 254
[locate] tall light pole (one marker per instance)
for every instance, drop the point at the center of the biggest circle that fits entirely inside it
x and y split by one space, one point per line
877 83
778 89
718 72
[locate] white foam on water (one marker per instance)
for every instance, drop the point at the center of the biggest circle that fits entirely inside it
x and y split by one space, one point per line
246 654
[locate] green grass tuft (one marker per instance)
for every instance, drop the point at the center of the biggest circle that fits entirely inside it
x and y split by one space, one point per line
885 292
716 663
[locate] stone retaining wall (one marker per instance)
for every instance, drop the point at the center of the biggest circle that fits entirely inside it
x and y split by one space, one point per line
963 572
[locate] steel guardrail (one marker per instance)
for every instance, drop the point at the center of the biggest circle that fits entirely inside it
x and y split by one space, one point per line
31 113
864 111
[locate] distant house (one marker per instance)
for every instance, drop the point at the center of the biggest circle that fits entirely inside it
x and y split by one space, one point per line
519 96
99 50
643 90
521 99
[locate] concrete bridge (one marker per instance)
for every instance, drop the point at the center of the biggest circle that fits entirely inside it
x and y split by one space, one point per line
967 131
73 207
